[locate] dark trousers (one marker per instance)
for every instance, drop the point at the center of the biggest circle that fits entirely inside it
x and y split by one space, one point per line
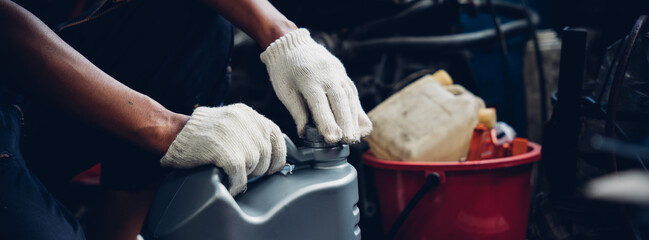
27 210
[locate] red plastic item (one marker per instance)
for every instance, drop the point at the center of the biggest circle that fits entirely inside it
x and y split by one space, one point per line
483 144
90 176
519 146
486 199
477 139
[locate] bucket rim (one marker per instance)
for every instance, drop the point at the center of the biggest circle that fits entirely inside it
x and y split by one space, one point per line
532 155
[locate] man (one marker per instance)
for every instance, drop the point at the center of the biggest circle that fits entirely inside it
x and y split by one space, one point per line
311 83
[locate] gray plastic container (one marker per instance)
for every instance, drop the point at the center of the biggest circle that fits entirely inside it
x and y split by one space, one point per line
314 198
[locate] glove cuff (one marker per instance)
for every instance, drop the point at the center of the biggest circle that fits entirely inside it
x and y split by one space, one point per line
177 149
289 42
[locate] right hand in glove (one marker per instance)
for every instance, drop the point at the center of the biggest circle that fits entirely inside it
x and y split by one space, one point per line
235 138
312 83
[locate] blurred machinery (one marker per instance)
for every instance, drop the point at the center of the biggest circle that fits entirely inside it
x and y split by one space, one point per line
383 55
385 45
611 104
550 46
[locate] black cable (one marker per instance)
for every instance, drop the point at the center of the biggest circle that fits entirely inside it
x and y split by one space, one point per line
509 99
609 75
432 181
409 79
539 62
444 43
613 97
411 12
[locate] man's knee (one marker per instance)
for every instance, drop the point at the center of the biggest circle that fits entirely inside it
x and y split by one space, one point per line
27 210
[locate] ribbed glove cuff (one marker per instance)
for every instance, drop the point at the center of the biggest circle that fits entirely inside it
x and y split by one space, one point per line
289 42
177 150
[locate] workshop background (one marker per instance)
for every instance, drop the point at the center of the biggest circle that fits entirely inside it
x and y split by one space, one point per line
359 33
379 71
487 47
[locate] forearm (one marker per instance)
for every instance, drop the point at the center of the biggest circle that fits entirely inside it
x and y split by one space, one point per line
258 18
36 60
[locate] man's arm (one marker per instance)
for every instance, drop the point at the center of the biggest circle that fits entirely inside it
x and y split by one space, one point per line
307 78
258 18
40 63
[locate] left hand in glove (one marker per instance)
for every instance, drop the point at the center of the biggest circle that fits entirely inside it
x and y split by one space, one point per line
304 73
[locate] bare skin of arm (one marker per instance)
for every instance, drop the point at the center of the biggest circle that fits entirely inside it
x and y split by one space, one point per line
36 60
258 18
41 64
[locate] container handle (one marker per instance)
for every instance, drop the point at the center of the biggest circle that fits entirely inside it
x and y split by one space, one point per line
432 181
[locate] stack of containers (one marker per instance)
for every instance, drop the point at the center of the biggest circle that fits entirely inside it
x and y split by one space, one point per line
426 129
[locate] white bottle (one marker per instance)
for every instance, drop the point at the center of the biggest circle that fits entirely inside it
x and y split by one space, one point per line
429 120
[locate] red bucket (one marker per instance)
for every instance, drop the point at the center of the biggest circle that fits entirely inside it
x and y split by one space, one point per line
487 199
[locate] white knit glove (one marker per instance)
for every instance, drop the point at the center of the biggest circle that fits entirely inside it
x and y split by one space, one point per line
305 73
235 138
